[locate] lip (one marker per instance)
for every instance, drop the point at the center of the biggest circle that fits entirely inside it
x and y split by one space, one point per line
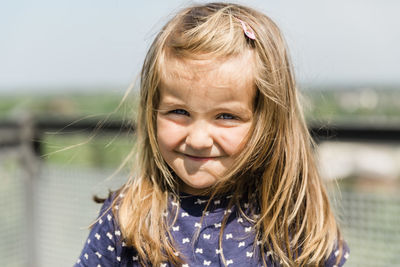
196 158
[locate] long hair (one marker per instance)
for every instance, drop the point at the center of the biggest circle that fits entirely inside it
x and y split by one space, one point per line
277 164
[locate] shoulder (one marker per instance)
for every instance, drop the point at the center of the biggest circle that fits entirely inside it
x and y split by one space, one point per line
102 245
339 256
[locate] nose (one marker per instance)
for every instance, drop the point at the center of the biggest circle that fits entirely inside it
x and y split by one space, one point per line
199 136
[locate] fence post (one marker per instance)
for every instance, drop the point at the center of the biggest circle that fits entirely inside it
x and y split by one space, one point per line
30 163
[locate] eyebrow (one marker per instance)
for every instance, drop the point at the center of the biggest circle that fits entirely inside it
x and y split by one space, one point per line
170 103
230 106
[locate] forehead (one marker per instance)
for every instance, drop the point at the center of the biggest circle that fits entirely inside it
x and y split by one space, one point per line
206 83
219 72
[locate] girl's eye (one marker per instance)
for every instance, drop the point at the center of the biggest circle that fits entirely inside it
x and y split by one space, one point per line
226 116
180 112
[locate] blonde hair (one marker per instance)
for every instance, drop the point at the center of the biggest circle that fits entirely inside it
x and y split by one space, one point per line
277 164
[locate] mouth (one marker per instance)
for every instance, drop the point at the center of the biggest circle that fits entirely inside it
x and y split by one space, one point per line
196 158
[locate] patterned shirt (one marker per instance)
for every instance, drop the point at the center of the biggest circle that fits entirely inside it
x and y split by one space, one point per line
105 247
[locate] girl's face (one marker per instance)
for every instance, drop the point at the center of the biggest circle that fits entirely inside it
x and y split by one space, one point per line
204 116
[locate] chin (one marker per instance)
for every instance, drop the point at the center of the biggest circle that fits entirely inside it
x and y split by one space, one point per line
197 185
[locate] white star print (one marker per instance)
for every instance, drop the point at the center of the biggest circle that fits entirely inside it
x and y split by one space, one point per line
197 225
185 240
97 236
174 203
100 221
227 211
218 251
241 244
88 241
199 201
217 202
86 256
135 258
229 262
336 253
249 254
110 248
98 254
206 263
185 265
247 229
109 217
346 255
205 236
118 258
175 228
217 225
184 214
109 235
176 253
163 265
228 236
240 220
199 250
118 233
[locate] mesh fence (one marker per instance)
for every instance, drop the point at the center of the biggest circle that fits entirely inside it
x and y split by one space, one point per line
49 222
13 210
65 210
371 226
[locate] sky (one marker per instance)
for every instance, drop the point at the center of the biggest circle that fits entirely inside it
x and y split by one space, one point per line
94 44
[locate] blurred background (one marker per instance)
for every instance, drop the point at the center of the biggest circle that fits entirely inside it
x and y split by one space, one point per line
65 66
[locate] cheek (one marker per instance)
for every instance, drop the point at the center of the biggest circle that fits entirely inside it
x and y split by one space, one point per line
233 140
169 135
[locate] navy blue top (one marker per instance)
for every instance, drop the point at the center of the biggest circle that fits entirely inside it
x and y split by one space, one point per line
105 247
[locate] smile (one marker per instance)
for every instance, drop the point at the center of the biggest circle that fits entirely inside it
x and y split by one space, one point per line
196 158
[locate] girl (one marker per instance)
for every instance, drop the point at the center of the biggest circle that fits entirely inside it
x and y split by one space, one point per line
226 173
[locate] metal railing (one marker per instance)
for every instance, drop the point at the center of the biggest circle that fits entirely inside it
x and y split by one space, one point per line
16 132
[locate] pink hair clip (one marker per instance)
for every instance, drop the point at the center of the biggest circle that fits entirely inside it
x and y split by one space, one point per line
248 31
